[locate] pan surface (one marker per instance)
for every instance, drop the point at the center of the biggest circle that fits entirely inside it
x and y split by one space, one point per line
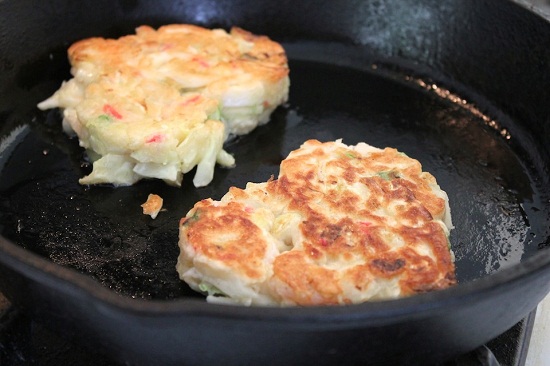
99 264
101 231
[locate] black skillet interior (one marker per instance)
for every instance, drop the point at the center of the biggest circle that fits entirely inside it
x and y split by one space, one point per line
492 163
499 207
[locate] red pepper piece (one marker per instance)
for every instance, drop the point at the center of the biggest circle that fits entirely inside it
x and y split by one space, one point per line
155 138
191 100
109 109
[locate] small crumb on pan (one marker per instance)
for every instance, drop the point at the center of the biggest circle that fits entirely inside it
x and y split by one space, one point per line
152 206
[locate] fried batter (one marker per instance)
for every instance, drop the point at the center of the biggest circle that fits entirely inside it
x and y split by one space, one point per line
160 102
340 225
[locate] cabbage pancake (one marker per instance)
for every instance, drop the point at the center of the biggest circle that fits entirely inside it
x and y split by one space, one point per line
341 224
160 102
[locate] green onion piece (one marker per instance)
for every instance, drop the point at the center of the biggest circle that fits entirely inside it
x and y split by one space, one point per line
210 289
388 175
216 115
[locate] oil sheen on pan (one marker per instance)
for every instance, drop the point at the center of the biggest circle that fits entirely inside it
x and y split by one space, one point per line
498 206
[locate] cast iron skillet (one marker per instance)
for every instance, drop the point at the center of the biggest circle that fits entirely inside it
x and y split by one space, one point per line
463 86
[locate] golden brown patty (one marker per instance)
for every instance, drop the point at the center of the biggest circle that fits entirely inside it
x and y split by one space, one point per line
341 224
160 102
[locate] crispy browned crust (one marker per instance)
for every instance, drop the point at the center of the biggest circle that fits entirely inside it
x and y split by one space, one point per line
153 205
227 234
218 55
366 221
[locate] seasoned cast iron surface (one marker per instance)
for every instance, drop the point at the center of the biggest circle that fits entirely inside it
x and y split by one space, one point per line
499 205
